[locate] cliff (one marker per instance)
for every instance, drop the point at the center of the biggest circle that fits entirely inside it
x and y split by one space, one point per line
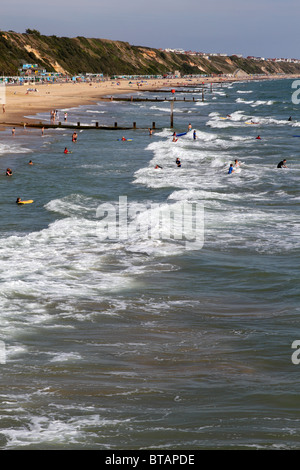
92 55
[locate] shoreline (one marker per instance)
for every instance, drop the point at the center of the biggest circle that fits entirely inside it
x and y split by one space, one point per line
19 102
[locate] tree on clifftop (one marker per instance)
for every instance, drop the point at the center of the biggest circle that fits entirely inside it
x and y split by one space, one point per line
34 32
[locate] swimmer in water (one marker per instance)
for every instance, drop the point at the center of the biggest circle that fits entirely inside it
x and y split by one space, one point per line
178 162
30 162
282 164
66 150
231 170
74 137
8 172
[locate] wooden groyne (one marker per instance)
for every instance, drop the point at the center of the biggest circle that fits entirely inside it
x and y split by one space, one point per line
79 126
156 100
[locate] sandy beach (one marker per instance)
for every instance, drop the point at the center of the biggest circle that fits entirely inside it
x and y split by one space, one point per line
21 102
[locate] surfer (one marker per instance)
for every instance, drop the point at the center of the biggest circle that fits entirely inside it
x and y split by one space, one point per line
258 137
282 164
66 150
174 137
18 200
123 138
157 167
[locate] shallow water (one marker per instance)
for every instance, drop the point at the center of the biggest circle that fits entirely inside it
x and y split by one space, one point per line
148 340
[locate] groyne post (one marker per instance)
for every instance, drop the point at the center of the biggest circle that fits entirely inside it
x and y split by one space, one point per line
172 114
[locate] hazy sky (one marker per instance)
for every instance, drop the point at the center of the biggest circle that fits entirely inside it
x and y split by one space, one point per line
267 28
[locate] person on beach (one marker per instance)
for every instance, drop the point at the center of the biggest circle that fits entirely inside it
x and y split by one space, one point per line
8 172
282 164
74 137
231 169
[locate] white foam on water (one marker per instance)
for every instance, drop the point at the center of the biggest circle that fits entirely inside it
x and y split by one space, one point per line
262 102
55 431
236 119
94 111
241 100
70 258
13 149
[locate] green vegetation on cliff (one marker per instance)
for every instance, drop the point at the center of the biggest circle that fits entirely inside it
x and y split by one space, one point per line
91 55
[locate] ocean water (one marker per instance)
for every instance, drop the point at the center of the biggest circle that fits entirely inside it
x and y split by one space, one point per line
153 339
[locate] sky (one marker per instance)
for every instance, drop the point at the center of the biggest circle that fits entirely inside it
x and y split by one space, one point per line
264 28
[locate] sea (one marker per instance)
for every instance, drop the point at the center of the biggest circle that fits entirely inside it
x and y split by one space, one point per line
146 308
